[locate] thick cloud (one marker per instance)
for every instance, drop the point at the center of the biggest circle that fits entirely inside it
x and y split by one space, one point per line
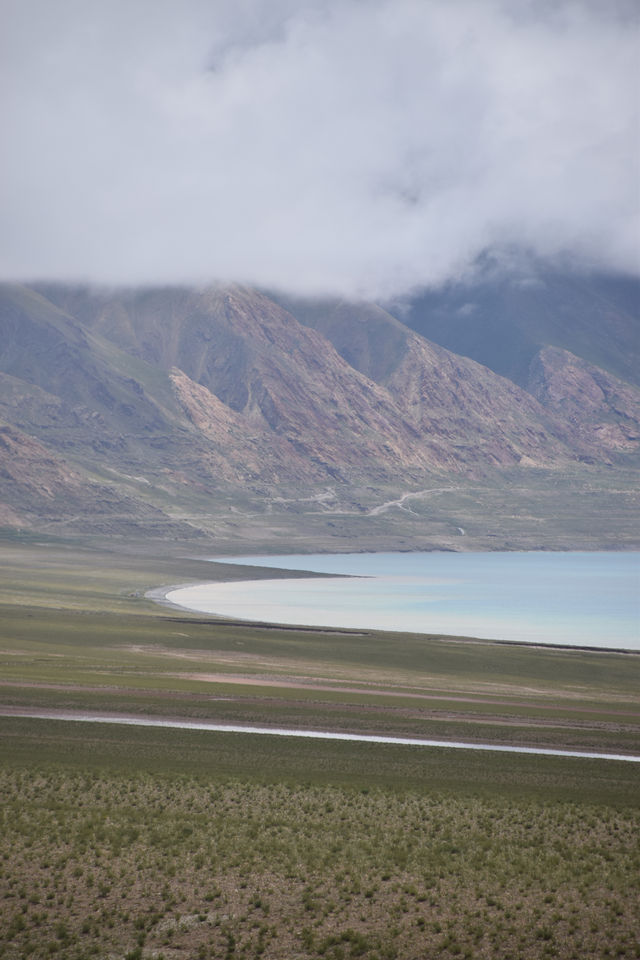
361 147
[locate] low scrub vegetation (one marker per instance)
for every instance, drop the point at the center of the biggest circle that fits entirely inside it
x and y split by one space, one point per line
109 863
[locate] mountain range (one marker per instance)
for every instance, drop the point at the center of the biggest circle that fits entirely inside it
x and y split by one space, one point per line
181 413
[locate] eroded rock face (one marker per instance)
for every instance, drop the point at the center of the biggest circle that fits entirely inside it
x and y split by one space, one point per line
598 408
427 410
472 414
39 486
140 396
354 394
28 464
464 415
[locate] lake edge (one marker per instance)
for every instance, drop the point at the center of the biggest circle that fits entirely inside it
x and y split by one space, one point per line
272 620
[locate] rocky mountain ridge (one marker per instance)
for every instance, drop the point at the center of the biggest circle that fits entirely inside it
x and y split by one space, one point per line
156 403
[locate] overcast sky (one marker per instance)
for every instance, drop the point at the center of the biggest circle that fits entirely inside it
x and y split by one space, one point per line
359 147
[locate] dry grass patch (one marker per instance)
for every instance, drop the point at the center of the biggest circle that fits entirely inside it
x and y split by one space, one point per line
107 864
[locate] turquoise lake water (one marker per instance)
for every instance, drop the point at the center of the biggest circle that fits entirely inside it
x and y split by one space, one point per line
581 599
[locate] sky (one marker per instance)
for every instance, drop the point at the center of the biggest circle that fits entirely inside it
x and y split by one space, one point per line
361 148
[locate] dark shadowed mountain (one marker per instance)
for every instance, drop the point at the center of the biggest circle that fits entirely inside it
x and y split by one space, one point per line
503 321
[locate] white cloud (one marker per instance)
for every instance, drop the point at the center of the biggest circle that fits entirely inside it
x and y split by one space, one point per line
352 146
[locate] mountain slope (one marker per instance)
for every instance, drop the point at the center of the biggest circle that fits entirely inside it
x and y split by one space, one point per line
604 409
80 389
378 398
206 405
42 489
251 355
463 412
502 321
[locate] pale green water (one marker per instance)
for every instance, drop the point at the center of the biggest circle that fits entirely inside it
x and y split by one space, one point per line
590 599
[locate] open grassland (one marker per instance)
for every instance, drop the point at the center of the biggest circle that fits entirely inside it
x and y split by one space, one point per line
120 842
78 633
132 842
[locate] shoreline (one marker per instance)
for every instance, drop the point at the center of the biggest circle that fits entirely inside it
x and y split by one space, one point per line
160 595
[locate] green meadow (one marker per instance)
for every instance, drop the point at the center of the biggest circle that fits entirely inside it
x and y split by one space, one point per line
125 842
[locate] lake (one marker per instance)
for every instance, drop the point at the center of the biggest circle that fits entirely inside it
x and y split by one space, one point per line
579 599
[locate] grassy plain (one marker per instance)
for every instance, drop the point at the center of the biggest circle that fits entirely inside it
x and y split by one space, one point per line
138 842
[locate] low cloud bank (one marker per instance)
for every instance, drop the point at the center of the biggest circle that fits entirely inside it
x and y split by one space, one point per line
336 146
